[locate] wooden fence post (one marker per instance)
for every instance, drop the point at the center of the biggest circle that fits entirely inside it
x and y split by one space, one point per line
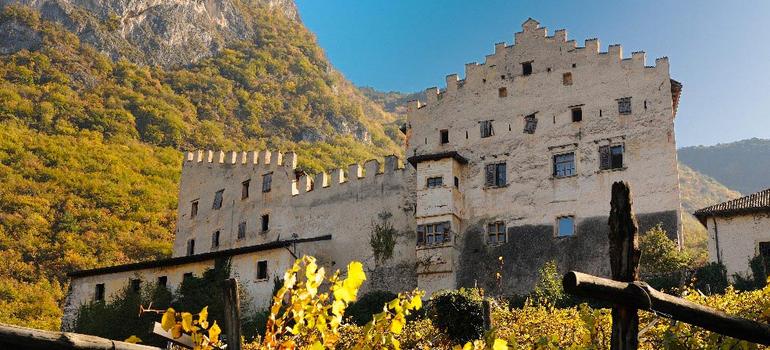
232 305
624 262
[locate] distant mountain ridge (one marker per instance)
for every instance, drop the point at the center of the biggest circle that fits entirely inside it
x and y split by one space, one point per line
742 165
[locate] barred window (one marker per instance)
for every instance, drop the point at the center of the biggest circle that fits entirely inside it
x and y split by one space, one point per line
495 175
485 126
434 233
496 233
624 105
218 199
564 165
433 182
611 157
530 124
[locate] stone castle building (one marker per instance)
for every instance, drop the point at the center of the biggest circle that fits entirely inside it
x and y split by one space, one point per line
507 169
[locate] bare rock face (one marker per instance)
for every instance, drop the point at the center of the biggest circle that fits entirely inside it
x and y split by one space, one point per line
16 36
156 32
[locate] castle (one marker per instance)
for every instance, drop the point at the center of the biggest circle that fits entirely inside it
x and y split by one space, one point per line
507 169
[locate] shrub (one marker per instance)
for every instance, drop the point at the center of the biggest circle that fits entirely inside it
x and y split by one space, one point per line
660 254
361 311
711 278
459 314
549 290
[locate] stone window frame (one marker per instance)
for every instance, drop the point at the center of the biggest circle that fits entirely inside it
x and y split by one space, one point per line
245 189
497 229
262 272
194 206
624 106
433 233
443 136
576 113
218 199
557 226
527 68
434 182
555 161
607 159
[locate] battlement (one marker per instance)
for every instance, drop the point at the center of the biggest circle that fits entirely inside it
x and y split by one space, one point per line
546 53
264 158
370 172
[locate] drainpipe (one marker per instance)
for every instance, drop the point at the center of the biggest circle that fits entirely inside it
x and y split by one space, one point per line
716 239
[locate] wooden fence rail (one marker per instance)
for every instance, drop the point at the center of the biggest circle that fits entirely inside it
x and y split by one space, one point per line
13 337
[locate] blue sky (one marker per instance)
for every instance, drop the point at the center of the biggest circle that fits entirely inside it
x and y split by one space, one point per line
719 50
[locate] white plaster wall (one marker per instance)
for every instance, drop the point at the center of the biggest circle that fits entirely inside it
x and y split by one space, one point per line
739 238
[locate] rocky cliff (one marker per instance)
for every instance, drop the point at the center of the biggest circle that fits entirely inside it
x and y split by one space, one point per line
151 32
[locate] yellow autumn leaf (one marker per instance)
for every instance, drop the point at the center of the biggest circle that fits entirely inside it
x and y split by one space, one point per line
133 340
468 346
169 319
317 346
416 302
214 333
500 345
187 321
398 324
176 331
356 275
203 317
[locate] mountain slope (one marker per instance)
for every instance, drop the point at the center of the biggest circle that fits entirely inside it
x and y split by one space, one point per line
742 165
89 146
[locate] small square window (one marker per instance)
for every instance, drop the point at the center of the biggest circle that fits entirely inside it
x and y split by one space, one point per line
262 270
242 230
215 240
574 65
624 105
502 92
444 136
530 124
565 226
495 175
434 182
99 292
566 79
136 285
496 233
485 127
245 189
577 114
218 199
265 222
267 182
194 209
611 157
162 281
526 68
564 165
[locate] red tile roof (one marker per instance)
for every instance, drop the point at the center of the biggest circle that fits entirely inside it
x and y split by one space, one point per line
754 203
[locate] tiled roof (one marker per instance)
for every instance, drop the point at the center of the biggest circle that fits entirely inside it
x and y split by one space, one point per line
757 202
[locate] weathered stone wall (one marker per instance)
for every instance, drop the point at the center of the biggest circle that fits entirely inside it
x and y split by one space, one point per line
532 198
739 238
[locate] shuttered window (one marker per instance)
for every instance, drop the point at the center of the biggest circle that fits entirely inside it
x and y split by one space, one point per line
611 157
485 127
495 175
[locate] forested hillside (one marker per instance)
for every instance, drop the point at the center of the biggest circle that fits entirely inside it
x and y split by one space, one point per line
742 165
90 147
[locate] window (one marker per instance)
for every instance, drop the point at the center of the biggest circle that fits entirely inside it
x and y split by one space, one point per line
245 189
485 126
242 230
611 157
265 222
526 68
262 270
495 175
624 105
457 182
267 182
162 281
218 199
502 92
99 292
435 233
566 79
433 182
496 233
186 276
530 124
564 164
215 240
577 114
194 209
190 247
136 285
565 226
444 136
